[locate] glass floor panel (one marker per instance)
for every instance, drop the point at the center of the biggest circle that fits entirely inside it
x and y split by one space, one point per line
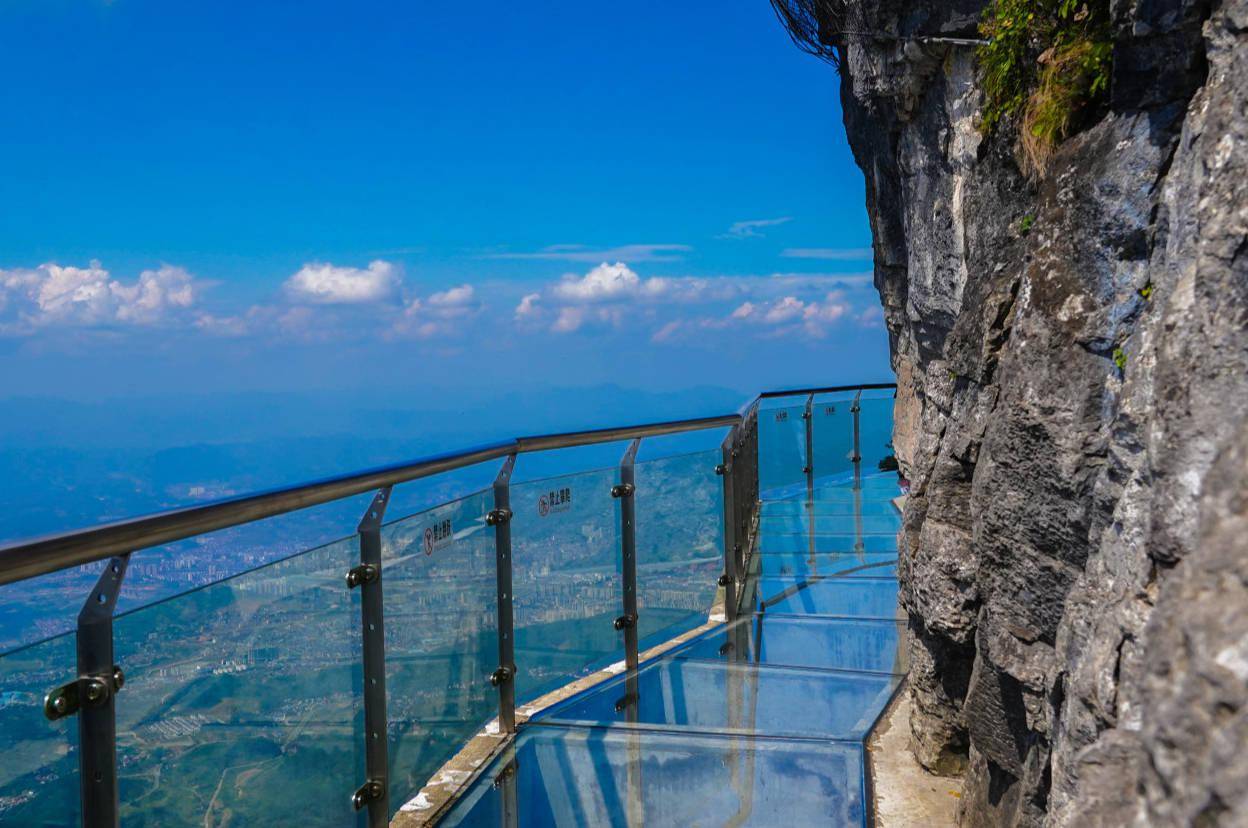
830 524
798 542
742 698
800 506
559 776
855 597
867 645
759 722
841 565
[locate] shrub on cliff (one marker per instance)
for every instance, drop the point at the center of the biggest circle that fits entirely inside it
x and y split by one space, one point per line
1046 63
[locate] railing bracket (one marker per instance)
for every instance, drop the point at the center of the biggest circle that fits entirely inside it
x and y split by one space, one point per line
625 701
725 580
497 517
623 490
721 469
500 676
84 691
362 574
626 622
505 774
370 791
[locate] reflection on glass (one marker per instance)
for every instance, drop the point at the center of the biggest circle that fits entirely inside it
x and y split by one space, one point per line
441 636
713 695
824 643
795 543
39 763
566 578
832 425
839 564
831 524
584 776
857 597
781 451
243 696
875 431
679 505
836 508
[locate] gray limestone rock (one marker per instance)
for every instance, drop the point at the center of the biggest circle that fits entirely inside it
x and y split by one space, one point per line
1074 554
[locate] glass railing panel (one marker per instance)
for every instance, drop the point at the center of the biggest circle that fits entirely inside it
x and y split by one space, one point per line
853 597
584 776
738 698
880 486
858 644
831 524
680 553
781 450
875 429
441 636
242 698
822 544
832 426
840 565
566 579
836 508
39 763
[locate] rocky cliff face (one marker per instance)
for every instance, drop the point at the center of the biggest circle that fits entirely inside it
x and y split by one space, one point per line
1073 416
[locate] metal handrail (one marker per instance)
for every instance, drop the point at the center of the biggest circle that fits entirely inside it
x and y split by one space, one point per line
831 389
25 559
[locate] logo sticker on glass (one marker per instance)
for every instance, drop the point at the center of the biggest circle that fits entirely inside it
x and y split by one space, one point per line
556 500
439 536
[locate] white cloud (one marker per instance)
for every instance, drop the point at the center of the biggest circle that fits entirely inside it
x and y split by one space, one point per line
786 309
834 254
52 295
605 281
750 229
790 314
570 319
442 314
456 297
630 253
666 332
227 326
320 283
155 295
528 306
872 317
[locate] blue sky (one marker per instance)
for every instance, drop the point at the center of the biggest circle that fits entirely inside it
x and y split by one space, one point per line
312 196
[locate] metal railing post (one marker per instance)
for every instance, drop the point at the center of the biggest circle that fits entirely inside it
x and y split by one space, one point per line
857 408
626 492
809 417
504 678
506 783
92 696
374 794
747 450
732 519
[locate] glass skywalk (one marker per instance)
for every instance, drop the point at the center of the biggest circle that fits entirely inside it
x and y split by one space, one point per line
763 541
762 721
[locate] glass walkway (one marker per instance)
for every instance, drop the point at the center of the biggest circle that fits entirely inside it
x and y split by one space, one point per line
762 721
720 593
